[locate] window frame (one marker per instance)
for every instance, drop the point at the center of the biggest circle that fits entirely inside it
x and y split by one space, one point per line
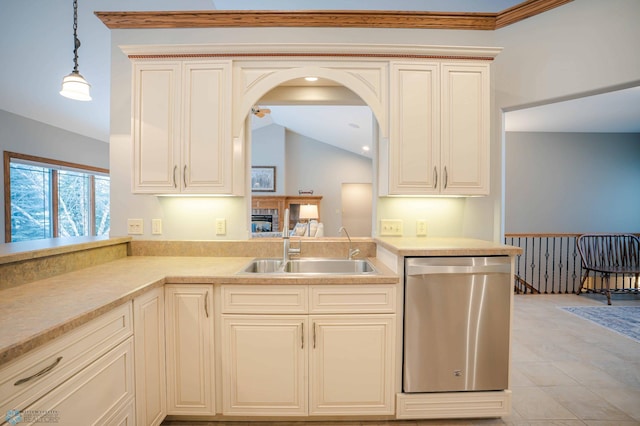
54 165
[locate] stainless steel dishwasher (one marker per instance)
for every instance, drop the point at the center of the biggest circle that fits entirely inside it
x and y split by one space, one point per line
456 323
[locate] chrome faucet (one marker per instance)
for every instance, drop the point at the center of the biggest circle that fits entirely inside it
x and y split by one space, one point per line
352 252
287 250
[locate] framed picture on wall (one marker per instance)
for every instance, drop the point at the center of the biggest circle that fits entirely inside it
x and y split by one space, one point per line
263 179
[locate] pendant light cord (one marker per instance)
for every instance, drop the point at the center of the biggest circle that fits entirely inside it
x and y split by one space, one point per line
76 41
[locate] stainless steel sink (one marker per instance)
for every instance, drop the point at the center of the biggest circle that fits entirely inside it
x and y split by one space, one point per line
264 266
311 266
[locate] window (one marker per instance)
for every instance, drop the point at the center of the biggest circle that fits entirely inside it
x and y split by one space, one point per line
47 198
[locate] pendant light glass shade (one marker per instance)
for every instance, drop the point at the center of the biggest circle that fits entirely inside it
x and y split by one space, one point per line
74 86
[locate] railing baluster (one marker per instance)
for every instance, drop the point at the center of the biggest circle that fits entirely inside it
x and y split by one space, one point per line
549 263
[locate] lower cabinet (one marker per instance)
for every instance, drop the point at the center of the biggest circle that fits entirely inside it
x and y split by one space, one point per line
189 344
265 359
350 364
150 370
281 364
83 377
100 394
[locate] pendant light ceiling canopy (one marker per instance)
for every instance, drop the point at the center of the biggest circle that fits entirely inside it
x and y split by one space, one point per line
74 86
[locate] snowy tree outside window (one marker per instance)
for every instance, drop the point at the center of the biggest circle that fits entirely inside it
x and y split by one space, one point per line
81 206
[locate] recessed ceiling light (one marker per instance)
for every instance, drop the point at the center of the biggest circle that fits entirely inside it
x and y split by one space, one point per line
311 78
365 148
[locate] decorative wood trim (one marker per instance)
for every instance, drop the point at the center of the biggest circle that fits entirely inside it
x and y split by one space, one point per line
7 196
327 18
526 10
319 18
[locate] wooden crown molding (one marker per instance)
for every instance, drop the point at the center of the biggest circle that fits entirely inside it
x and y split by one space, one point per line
327 18
526 10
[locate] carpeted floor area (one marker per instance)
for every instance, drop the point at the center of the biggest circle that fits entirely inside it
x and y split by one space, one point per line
624 320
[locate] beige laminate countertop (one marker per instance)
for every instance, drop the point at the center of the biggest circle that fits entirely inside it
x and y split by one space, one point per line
25 250
427 246
34 313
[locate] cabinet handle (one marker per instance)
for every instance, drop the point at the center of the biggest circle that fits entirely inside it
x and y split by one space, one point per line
314 335
446 177
184 176
435 179
175 169
39 373
206 304
302 336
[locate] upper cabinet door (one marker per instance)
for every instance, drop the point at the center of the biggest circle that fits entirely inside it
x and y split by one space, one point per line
182 129
206 148
156 130
414 152
465 129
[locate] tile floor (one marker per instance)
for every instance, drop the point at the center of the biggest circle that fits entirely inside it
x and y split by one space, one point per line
565 371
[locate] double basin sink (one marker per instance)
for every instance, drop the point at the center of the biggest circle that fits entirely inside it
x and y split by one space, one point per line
310 266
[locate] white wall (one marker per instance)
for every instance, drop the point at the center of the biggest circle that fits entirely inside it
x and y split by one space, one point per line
308 164
579 47
572 182
26 136
268 149
575 48
323 168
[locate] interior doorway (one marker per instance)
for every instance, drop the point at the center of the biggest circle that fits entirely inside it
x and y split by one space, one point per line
357 205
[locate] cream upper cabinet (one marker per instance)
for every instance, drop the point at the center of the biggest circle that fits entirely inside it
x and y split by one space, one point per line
465 129
182 128
414 153
439 137
189 347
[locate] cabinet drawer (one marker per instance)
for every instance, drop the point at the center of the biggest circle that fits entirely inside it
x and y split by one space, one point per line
264 299
94 396
61 358
353 299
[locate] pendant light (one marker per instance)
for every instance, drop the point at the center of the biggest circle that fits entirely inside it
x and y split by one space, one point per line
74 86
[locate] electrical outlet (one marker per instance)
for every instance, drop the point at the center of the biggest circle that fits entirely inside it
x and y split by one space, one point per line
156 226
421 228
135 226
221 226
391 227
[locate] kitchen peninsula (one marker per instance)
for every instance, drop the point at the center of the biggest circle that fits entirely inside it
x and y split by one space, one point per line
123 301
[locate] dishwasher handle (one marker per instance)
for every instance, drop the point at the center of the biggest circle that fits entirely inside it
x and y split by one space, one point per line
412 270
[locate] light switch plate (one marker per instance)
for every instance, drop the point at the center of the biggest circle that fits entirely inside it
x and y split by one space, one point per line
391 227
135 226
421 228
156 226
221 226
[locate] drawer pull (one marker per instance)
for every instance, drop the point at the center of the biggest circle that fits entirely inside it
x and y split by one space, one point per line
39 373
